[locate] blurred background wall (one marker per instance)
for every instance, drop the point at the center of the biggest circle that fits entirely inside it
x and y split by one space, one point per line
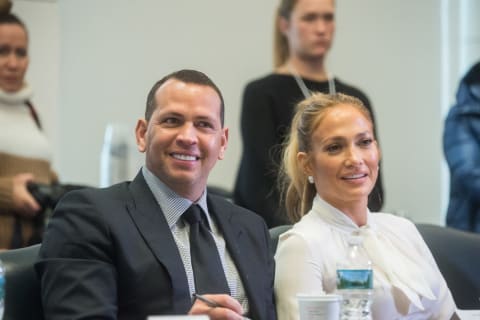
93 62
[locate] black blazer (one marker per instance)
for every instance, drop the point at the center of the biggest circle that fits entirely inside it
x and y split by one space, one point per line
109 254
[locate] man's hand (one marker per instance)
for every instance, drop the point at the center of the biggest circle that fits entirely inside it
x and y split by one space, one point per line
228 307
23 202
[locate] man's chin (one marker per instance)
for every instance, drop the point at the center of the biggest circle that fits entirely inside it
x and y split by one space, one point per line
184 179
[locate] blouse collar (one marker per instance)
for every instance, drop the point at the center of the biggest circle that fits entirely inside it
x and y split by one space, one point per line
337 218
404 274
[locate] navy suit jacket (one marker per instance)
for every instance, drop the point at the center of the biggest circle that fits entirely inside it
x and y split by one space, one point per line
109 254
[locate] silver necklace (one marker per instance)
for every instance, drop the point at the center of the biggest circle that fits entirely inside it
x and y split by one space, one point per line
301 84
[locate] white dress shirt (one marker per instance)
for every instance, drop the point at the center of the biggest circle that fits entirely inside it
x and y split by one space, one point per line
407 282
173 206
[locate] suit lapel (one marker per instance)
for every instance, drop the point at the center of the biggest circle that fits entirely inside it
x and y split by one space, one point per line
151 223
239 249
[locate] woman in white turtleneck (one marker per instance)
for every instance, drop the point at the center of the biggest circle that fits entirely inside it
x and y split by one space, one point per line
330 166
25 153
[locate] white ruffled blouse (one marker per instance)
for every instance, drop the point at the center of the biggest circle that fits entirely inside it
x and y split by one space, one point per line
407 282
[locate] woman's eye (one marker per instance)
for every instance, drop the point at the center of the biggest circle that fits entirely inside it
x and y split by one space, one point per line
366 142
333 148
4 50
21 52
309 18
328 17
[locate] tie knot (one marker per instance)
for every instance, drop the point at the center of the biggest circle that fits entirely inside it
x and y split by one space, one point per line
193 214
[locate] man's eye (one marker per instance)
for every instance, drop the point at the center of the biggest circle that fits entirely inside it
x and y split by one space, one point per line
204 124
171 121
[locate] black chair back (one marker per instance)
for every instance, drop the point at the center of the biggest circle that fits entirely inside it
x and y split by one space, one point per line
220 191
22 288
457 254
275 232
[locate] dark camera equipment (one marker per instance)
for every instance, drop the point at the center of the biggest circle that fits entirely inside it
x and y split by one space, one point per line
47 196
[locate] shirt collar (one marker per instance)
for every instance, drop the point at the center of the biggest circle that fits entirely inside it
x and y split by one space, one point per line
171 204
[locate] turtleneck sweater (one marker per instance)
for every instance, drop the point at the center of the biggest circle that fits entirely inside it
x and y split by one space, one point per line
23 148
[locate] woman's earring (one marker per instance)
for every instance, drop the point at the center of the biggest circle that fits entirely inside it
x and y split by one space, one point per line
310 179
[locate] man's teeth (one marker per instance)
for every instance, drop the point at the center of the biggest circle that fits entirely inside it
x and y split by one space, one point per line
184 157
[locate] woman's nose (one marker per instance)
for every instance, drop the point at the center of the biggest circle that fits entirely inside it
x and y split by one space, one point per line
353 157
321 24
12 60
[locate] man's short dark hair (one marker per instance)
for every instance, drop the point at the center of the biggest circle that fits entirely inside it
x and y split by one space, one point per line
187 76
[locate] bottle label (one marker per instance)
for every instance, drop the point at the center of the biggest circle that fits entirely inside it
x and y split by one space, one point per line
354 279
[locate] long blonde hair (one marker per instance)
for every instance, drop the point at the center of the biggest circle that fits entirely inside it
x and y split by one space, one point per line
297 193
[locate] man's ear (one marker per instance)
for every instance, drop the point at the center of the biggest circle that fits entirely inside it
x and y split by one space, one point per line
140 134
224 143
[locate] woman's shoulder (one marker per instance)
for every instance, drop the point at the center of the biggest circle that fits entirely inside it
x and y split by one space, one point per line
389 218
394 224
310 229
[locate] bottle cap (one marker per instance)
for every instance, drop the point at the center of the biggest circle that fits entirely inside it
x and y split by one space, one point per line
355 239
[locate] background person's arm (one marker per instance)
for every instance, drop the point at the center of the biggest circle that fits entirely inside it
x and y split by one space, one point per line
14 195
255 187
462 151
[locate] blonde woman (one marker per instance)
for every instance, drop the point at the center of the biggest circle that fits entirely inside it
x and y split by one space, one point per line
330 167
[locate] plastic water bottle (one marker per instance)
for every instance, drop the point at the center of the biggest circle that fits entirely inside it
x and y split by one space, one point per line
2 289
355 282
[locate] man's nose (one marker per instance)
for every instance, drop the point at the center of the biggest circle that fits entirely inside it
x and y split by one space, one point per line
187 134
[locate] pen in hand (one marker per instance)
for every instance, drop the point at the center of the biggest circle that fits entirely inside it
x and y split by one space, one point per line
208 302
211 303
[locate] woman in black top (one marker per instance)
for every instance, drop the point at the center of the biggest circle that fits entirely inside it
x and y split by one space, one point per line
303 36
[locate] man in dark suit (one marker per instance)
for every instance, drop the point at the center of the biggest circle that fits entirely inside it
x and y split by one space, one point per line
123 252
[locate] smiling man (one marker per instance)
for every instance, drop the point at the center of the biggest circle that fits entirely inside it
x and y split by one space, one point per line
129 251
184 136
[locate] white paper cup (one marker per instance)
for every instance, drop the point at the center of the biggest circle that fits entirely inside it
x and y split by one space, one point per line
319 307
